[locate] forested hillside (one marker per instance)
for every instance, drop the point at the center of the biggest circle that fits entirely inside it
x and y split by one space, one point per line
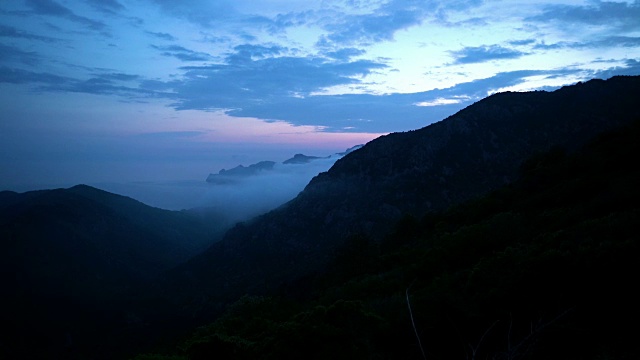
474 151
543 268
71 259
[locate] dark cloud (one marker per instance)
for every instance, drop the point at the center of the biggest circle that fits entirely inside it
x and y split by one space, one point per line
632 67
559 45
202 12
19 76
13 54
11 32
52 8
354 112
470 55
522 42
163 36
393 112
624 41
609 41
245 78
106 6
118 77
390 17
182 53
284 21
248 52
126 86
378 26
104 84
344 54
621 15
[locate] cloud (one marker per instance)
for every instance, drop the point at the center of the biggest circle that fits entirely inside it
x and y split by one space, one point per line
470 55
251 75
604 42
383 113
106 6
127 86
18 76
344 54
105 84
202 12
52 8
443 101
631 67
118 77
247 198
370 28
248 52
182 53
282 88
283 21
522 42
8 31
13 54
237 201
161 35
617 15
374 24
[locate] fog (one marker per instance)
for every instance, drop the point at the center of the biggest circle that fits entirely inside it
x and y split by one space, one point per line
236 201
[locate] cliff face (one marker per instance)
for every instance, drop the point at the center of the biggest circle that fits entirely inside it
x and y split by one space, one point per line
468 154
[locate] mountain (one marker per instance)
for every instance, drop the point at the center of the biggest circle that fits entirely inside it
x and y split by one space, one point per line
541 268
69 256
403 221
351 149
474 151
300 159
240 172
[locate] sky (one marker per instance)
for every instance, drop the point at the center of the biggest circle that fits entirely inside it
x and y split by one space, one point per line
115 91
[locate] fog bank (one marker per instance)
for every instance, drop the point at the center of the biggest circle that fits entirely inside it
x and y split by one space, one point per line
239 200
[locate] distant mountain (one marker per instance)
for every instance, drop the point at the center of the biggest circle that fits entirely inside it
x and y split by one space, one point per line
300 159
351 149
69 255
240 172
464 156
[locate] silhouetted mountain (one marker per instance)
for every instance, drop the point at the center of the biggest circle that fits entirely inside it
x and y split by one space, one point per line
540 269
300 159
240 172
83 270
68 256
353 148
464 156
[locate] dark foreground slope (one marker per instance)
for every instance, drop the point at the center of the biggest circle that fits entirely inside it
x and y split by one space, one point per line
464 156
544 268
69 256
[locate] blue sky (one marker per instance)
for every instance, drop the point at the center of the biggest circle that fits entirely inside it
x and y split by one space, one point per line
142 90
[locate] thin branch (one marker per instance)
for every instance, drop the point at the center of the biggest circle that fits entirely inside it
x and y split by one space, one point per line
414 324
474 350
529 339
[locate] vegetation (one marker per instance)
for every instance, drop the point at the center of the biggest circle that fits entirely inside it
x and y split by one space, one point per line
370 261
540 269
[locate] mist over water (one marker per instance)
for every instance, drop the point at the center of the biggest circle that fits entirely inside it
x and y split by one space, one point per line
238 200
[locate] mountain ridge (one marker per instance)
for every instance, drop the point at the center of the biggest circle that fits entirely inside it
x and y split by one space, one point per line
463 156
239 172
72 258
